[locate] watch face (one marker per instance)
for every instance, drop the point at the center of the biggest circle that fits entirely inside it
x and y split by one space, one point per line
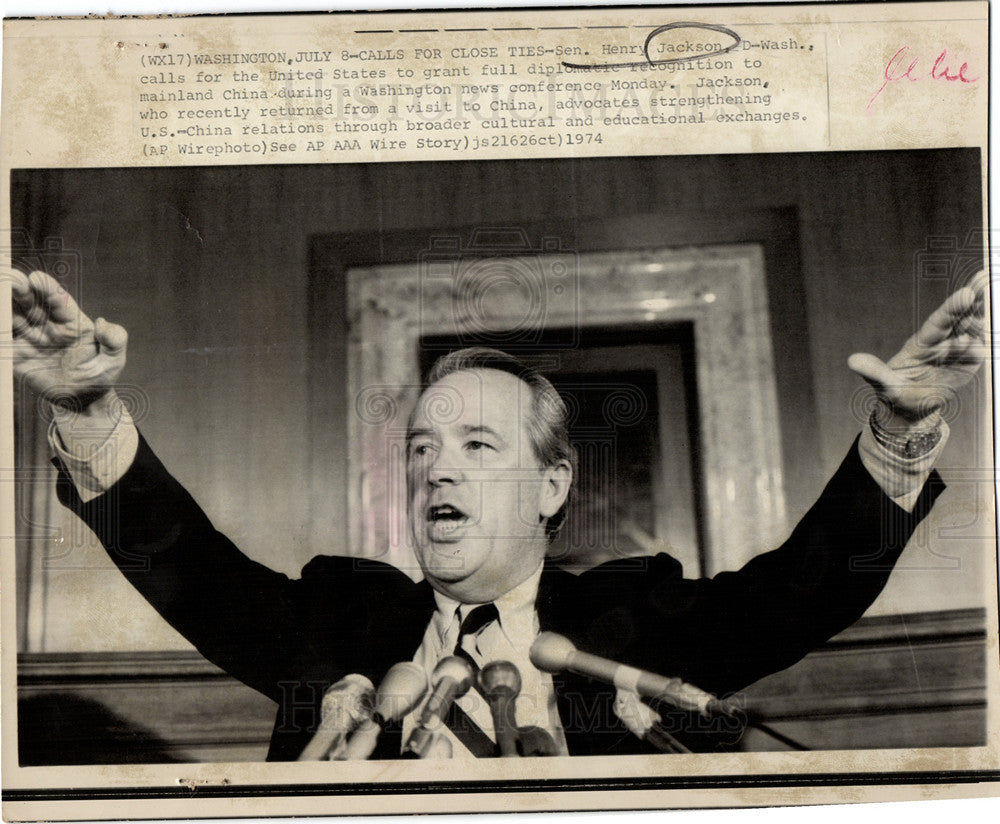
910 446
922 443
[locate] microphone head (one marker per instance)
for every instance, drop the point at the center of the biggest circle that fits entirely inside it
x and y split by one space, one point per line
348 701
457 669
400 691
551 652
498 678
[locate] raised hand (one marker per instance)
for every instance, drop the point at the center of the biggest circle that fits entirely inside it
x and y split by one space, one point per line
935 362
58 351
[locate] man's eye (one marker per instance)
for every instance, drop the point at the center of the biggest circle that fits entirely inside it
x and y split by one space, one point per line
420 449
475 446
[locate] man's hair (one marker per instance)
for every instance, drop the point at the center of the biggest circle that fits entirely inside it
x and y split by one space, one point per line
547 425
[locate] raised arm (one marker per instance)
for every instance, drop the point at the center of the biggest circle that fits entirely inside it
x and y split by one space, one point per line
239 614
839 558
906 433
740 626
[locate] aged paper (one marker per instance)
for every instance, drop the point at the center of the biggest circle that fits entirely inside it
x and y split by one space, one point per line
279 209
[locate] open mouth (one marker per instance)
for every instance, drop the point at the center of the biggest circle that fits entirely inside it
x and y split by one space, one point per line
445 519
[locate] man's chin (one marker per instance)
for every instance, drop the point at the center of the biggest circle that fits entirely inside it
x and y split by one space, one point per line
444 561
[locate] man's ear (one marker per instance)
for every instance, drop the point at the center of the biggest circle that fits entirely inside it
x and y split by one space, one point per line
556 481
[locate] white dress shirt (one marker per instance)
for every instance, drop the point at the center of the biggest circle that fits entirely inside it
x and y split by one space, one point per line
508 639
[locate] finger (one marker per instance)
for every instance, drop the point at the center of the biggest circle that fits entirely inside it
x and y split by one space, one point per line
880 375
972 327
362 743
969 349
24 355
20 289
979 282
25 308
54 297
112 338
942 321
28 332
36 314
33 323
974 321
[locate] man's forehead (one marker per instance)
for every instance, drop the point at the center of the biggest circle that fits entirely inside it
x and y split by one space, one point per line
473 397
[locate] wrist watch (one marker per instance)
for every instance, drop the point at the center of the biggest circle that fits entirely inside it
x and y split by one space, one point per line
912 445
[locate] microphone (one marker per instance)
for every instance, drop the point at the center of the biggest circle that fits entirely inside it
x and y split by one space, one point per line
345 705
450 680
534 741
554 653
500 684
400 691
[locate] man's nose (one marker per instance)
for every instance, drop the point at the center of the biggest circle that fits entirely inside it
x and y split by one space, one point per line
445 470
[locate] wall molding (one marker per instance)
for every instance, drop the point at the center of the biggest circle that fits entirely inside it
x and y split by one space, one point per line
916 680
144 707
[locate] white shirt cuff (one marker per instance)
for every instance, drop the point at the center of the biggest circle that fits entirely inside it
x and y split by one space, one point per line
95 461
901 479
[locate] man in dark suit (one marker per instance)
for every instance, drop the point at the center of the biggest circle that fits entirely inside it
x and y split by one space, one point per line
488 484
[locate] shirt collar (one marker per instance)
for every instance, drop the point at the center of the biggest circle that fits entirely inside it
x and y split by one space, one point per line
516 608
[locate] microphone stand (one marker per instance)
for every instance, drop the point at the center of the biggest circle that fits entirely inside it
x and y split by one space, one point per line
500 683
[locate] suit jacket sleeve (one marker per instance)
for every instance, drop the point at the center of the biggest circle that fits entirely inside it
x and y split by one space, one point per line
239 614
726 632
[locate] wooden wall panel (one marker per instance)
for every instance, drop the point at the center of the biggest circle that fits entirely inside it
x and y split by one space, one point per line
136 708
895 681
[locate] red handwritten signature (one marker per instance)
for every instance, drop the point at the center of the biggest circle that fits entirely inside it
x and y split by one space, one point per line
899 69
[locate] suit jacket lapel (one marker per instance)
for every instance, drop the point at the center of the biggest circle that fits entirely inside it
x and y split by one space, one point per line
398 624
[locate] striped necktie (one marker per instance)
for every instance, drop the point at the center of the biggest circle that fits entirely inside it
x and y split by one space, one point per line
465 729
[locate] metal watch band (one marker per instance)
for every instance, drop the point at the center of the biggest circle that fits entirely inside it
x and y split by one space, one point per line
911 446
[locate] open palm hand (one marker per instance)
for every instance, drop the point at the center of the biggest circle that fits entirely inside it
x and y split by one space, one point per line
58 351
937 361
